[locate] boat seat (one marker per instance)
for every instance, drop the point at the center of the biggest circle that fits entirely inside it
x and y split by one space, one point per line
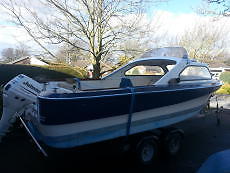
125 82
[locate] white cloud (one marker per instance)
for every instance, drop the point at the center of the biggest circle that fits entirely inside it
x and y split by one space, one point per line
175 24
11 34
165 22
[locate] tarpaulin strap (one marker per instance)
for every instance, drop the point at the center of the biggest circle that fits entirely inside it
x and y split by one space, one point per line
131 108
78 82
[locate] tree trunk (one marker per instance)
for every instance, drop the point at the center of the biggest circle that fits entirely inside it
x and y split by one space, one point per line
97 70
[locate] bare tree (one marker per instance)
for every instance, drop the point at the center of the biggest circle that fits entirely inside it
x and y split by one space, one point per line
95 27
204 41
216 7
21 50
71 56
11 54
8 54
225 6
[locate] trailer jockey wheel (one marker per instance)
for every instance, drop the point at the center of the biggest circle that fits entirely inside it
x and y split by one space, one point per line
172 143
147 151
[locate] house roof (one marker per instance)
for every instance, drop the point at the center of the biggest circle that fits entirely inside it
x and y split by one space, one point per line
218 64
18 60
28 57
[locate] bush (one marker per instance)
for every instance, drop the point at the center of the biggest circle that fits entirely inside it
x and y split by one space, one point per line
225 77
225 89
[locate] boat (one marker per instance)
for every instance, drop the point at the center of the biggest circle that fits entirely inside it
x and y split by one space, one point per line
161 88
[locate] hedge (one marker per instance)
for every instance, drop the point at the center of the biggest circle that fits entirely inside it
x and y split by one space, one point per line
225 77
74 71
39 73
225 89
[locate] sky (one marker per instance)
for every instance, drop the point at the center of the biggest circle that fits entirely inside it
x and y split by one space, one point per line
178 6
175 14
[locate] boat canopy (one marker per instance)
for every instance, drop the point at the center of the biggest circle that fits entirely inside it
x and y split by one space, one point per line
179 52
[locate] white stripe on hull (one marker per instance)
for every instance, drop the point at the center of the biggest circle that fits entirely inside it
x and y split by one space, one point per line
79 127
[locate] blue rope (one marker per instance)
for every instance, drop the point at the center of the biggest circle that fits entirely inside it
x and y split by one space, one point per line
130 111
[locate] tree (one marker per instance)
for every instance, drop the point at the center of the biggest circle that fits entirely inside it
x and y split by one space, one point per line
217 7
11 54
68 55
95 27
8 54
204 41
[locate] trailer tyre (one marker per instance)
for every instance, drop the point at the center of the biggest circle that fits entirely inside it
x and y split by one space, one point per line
173 143
147 151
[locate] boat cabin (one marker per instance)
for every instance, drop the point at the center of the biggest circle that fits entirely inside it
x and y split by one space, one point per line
158 67
150 71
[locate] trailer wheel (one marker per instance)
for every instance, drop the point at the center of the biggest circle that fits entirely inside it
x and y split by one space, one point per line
147 151
172 143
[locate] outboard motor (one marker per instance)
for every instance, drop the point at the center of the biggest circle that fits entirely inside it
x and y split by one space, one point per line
19 94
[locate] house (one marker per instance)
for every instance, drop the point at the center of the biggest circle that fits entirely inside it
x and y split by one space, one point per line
29 60
216 71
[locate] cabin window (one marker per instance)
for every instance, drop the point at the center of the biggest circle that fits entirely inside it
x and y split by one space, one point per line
195 73
142 70
170 67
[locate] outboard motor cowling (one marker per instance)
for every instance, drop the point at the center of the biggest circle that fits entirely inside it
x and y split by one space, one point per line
18 94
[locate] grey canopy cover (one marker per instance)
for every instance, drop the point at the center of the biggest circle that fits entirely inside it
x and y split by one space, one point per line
179 52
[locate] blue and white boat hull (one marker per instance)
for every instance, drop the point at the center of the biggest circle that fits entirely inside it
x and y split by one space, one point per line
172 107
